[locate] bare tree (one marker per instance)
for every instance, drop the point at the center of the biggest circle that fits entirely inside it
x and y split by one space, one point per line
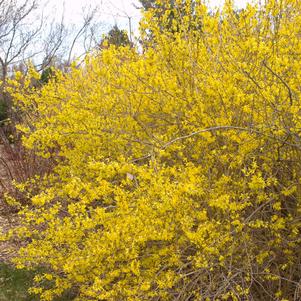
53 43
19 30
86 32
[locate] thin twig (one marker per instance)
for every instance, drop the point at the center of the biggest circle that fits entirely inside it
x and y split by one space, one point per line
290 93
217 128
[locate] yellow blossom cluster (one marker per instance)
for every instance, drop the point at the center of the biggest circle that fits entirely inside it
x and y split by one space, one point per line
177 168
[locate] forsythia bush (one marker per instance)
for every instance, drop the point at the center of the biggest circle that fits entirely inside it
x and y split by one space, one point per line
177 167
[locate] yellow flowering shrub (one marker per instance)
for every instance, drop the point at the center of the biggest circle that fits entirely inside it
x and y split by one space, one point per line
177 168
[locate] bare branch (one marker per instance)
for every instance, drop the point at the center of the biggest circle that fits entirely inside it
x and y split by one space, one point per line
290 93
88 18
218 128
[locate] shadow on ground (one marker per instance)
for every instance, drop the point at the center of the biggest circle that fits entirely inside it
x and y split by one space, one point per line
14 284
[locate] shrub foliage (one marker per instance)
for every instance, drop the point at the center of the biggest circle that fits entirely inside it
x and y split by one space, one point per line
178 168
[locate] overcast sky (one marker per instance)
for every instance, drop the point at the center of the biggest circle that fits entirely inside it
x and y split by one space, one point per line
110 11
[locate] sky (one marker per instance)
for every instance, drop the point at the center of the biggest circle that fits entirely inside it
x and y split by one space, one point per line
124 13
111 12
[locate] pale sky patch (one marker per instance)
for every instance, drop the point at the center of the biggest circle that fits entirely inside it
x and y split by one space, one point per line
112 12
123 13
